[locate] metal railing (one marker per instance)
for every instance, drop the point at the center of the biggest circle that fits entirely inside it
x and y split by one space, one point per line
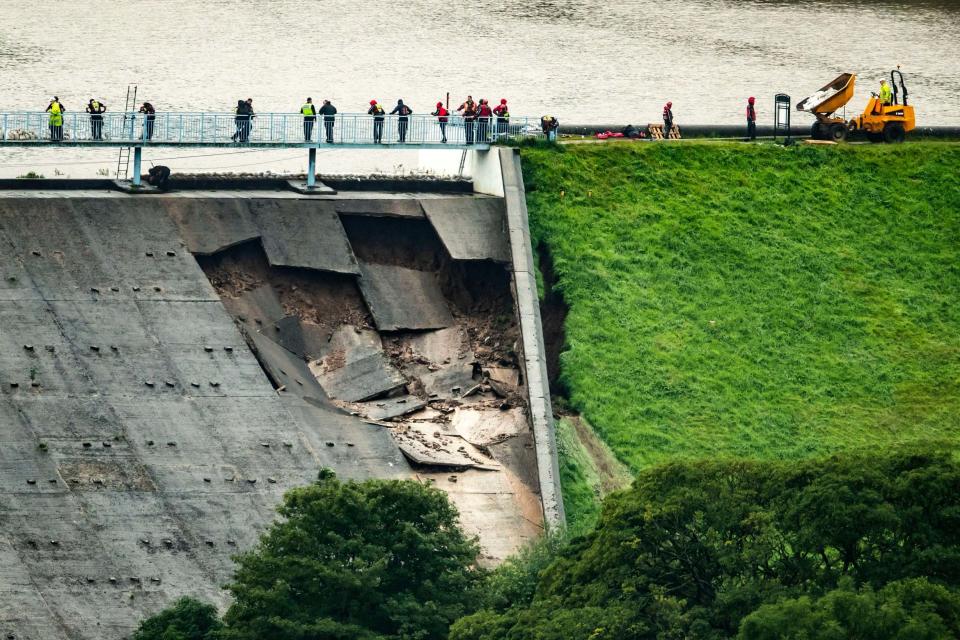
264 129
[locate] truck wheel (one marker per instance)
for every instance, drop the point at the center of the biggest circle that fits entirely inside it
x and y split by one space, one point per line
875 137
816 131
838 132
893 133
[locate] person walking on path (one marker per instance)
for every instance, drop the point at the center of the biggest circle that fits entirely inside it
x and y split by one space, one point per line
248 123
56 111
96 109
328 111
149 115
442 117
751 118
377 112
484 115
469 110
503 117
403 121
667 120
309 117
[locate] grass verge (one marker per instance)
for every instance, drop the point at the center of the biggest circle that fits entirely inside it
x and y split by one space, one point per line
754 300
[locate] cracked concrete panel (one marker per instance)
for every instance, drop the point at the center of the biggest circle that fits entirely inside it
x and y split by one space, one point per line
257 308
354 449
438 346
485 426
390 408
303 234
355 368
287 370
406 208
401 298
470 228
305 339
432 445
212 225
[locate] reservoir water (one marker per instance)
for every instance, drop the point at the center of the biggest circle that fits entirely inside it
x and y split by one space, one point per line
584 62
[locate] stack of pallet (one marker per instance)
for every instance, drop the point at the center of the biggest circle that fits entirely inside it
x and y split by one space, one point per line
656 132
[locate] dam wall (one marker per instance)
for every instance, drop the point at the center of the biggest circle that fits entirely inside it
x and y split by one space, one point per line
171 364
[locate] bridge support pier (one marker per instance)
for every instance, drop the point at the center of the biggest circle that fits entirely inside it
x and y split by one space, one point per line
312 169
137 156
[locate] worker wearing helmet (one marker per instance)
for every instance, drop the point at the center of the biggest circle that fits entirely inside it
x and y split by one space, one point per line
442 118
502 111
751 118
56 110
377 112
667 120
886 93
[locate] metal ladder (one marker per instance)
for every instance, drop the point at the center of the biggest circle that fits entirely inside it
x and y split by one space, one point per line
123 162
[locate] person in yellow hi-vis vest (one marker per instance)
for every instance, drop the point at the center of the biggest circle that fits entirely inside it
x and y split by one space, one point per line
56 111
309 113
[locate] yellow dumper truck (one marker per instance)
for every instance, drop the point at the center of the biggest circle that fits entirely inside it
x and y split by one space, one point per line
880 122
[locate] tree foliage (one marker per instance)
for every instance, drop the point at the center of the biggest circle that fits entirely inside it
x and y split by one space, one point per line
694 549
373 560
186 619
356 560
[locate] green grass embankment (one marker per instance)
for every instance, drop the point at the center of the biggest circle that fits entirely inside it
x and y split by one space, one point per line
755 300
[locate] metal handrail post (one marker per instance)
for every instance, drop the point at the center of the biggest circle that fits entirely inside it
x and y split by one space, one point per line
312 168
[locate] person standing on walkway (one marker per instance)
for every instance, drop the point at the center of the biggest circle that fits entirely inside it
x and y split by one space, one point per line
503 117
549 125
238 114
149 115
667 120
442 117
96 109
309 117
248 123
56 111
329 112
469 110
377 112
751 118
484 115
403 121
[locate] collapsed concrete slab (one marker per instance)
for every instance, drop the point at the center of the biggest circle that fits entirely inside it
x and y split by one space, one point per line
406 208
470 228
304 234
208 226
401 298
355 368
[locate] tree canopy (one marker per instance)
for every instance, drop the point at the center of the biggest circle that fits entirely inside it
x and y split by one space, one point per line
713 549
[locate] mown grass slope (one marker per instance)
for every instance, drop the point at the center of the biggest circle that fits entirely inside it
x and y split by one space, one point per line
755 300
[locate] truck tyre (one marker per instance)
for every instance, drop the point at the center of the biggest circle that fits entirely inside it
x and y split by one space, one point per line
838 132
815 131
893 133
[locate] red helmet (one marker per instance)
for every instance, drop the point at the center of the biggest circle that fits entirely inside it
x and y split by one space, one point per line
503 101
669 104
751 100
439 104
373 102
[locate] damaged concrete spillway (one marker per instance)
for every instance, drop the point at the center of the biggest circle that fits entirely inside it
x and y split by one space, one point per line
172 364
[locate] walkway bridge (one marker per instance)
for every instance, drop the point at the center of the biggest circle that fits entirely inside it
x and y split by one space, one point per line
263 131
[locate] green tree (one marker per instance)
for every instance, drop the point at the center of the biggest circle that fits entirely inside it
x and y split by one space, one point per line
911 609
693 548
356 560
186 619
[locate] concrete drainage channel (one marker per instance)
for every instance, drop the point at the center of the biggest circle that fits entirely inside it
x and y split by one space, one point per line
171 364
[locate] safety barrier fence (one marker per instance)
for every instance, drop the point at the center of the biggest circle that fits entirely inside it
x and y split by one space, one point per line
263 129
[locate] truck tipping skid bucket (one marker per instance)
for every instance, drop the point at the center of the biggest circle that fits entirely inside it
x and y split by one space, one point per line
830 97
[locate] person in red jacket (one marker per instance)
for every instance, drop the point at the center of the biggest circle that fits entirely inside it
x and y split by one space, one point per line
503 117
442 117
751 118
484 114
667 120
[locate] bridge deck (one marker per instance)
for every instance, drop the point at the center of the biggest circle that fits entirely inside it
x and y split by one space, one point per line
263 131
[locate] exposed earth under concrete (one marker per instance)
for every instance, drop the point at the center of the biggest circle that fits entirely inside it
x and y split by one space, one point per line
156 404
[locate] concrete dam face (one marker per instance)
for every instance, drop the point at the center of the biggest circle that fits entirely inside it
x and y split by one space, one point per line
171 364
